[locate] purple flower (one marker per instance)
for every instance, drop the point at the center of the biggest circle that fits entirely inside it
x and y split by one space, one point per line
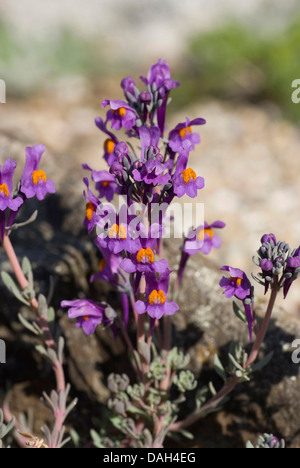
266 266
292 267
128 85
160 76
187 183
34 181
153 172
145 97
91 215
149 138
88 314
183 132
237 284
156 304
204 239
105 183
159 79
121 234
144 260
6 187
267 238
120 114
109 144
108 266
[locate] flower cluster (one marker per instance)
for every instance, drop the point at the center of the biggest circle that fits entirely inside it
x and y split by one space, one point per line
33 183
149 174
279 268
279 264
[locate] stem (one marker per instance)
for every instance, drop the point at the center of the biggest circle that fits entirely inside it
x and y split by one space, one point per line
167 332
262 332
226 389
167 346
132 300
229 386
49 341
7 245
158 334
125 307
141 319
130 346
141 329
60 377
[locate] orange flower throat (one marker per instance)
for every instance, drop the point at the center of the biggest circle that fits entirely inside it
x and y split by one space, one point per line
90 210
121 111
38 176
145 256
208 231
109 146
188 175
117 232
4 190
102 264
184 131
157 298
237 281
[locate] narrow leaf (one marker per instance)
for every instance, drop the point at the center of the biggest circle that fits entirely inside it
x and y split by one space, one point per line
235 363
13 288
264 362
212 389
218 366
239 313
187 434
146 351
27 324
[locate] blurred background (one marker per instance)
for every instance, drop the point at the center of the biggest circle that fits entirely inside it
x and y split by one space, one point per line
236 62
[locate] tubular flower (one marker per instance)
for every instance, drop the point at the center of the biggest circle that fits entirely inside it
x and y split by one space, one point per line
128 86
156 303
187 183
153 172
144 262
120 114
88 314
34 181
203 239
92 204
120 235
159 75
237 284
292 271
6 187
109 144
183 132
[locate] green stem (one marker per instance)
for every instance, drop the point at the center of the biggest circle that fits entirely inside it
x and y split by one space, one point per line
231 384
49 341
130 346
